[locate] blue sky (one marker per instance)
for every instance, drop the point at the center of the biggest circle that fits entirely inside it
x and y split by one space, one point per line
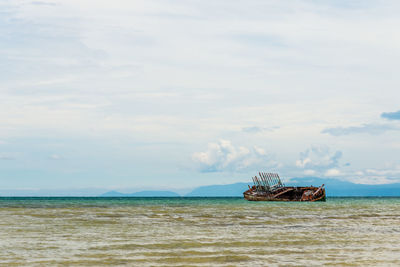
176 94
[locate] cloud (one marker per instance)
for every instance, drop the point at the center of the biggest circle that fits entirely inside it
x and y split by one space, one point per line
332 173
391 115
256 129
259 39
318 158
42 3
223 156
6 157
374 129
55 157
389 173
98 73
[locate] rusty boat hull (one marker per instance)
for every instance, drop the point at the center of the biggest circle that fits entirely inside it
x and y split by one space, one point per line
287 193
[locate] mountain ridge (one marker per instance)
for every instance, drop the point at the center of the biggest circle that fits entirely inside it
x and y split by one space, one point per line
334 188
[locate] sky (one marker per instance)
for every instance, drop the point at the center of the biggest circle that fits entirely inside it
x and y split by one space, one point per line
177 94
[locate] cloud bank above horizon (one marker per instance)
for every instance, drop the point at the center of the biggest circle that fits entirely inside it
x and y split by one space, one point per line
154 93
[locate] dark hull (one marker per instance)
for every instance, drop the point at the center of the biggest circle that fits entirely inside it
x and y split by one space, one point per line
287 193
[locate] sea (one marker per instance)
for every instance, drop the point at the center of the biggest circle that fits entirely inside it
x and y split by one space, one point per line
73 231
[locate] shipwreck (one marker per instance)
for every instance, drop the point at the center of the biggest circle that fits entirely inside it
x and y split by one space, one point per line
269 187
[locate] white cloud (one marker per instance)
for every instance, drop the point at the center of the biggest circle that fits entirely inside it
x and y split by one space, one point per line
375 176
6 157
363 129
318 158
332 173
387 174
257 129
223 156
187 72
55 157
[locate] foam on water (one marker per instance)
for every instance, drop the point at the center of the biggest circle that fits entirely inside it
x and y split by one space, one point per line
199 231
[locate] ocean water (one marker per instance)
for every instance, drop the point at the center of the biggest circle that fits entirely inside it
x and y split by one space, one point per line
198 232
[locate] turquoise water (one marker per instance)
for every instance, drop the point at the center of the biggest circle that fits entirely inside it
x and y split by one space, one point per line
199 232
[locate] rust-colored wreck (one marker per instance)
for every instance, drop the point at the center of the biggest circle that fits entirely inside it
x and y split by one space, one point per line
268 187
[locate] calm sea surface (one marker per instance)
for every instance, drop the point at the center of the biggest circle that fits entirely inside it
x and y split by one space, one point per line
199 231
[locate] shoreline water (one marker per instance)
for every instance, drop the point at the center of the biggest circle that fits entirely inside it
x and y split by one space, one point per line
95 231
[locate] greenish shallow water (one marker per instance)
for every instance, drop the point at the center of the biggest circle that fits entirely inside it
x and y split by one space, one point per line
199 231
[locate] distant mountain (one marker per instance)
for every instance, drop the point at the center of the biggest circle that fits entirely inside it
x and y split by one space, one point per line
333 187
141 194
227 190
339 188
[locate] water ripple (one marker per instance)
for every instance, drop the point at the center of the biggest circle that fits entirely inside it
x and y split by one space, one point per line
198 232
